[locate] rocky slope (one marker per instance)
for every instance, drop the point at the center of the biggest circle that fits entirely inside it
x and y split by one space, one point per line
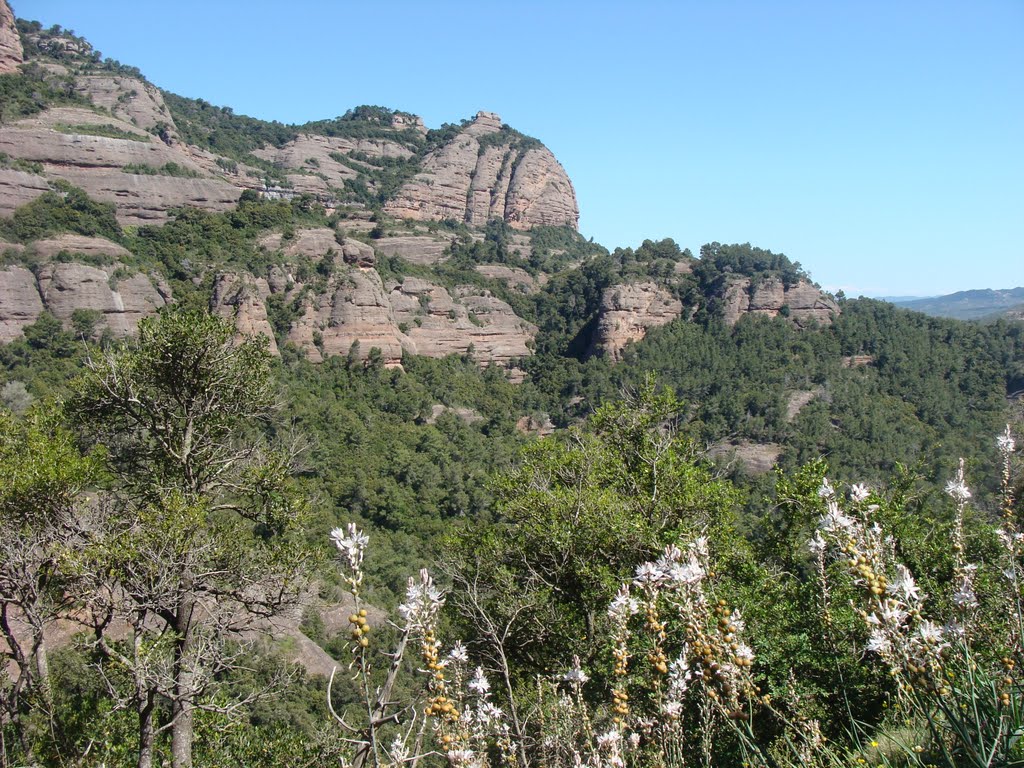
802 303
118 296
11 54
353 310
628 311
486 173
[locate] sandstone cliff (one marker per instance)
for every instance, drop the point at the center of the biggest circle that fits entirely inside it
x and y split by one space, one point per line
802 302
63 141
487 173
11 54
628 311
120 298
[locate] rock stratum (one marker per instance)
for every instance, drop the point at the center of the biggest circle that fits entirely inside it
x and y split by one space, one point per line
487 172
802 302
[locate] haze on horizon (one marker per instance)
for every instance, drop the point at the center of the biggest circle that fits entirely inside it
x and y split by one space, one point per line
877 144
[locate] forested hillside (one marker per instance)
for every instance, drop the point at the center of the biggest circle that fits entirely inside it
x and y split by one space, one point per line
670 508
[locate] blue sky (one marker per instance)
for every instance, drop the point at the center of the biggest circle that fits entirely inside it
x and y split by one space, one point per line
881 144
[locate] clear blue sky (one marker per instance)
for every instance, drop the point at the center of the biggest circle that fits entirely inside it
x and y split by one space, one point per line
881 144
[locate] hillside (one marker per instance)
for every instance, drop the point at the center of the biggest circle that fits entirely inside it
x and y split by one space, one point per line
970 305
419 340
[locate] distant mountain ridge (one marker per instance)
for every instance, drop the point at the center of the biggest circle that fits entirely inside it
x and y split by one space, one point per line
970 305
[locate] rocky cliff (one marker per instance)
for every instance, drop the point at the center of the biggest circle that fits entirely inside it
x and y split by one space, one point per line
10 42
488 172
628 311
118 296
802 302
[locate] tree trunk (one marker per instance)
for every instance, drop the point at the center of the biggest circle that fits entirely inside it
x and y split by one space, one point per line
146 706
182 709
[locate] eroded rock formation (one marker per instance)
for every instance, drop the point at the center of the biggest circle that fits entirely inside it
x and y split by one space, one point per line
63 287
484 173
802 302
628 311
11 54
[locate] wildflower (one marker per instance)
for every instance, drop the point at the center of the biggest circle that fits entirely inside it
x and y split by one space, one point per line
423 600
672 709
817 544
964 598
1005 442
575 675
458 652
649 575
743 655
930 633
958 491
688 573
623 606
859 492
904 585
826 491
461 756
835 520
351 542
479 684
608 740
878 642
489 712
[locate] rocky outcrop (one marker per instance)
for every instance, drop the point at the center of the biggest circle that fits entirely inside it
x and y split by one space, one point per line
501 177
66 287
628 312
471 322
752 458
18 188
131 100
20 304
424 250
514 277
802 302
94 248
96 164
353 309
11 53
63 287
241 298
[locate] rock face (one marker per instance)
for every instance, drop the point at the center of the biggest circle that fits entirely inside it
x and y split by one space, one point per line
241 298
79 245
20 304
483 174
752 458
11 54
131 100
18 188
628 311
353 309
63 287
97 164
470 322
423 250
802 302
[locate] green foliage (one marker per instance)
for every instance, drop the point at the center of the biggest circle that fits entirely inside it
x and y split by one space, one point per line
30 91
720 262
575 517
69 210
167 169
108 130
220 130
